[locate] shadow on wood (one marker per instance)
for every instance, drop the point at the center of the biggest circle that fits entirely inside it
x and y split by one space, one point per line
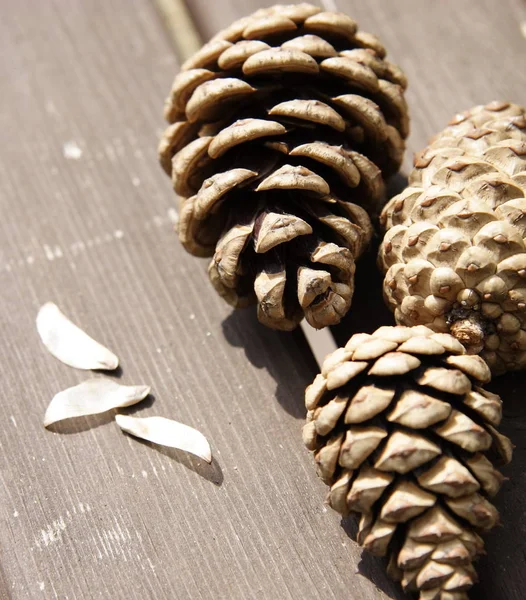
88 422
211 472
145 403
116 373
82 424
505 544
368 310
277 352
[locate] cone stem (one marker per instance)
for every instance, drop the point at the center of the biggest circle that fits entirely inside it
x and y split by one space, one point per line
470 332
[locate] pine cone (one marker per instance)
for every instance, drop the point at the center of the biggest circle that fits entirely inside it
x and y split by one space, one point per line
282 129
403 434
454 249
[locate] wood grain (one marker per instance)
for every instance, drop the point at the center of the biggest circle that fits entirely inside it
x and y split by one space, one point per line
87 512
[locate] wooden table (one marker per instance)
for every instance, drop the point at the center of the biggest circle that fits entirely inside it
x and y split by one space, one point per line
87 512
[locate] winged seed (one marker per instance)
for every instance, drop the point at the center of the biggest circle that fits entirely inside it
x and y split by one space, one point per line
69 343
166 432
91 397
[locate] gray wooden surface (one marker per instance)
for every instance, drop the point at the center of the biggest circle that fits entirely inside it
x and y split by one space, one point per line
86 512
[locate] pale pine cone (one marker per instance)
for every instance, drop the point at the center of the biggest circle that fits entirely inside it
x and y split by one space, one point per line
454 252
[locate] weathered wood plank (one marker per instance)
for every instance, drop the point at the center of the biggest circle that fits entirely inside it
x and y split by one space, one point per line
94 514
455 55
86 222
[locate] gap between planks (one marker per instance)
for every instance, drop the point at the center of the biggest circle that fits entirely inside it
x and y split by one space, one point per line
186 40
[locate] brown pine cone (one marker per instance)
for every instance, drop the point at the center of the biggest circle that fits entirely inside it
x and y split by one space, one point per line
282 129
405 436
454 251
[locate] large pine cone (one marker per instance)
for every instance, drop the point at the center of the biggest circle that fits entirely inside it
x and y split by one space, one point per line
454 251
282 128
404 435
